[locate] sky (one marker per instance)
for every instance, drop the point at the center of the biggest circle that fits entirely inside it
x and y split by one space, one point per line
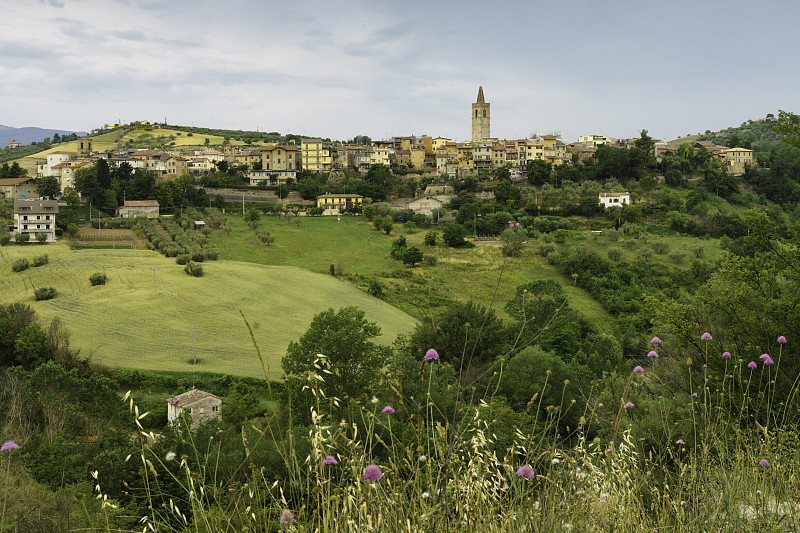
336 69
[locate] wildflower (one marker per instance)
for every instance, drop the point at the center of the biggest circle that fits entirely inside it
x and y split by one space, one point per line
426 495
769 361
388 410
431 355
726 355
680 441
170 456
638 369
652 353
372 473
706 336
556 460
287 517
629 405
330 460
752 364
422 458
526 471
764 356
8 446
374 400
763 463
694 395
655 340
782 340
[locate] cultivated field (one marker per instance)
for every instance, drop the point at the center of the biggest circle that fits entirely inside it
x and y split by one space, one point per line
145 316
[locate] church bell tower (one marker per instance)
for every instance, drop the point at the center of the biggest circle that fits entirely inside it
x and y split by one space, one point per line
480 118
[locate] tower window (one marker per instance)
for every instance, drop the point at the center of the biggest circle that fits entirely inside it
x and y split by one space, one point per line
476 113
484 112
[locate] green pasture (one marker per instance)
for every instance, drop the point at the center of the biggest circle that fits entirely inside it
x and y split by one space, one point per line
145 317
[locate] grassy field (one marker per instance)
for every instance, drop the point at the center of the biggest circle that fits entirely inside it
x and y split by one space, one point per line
128 324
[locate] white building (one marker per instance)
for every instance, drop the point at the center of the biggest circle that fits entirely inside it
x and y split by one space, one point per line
615 199
35 215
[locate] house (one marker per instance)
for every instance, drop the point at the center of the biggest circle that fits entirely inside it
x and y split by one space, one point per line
196 404
336 203
13 144
176 166
279 157
139 208
615 199
316 157
17 188
35 215
425 205
735 159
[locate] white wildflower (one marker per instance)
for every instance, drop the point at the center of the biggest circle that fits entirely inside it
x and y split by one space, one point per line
170 456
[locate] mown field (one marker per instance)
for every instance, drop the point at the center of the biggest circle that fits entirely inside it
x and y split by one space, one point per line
145 317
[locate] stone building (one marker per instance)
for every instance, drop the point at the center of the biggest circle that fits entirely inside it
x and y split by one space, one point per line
197 405
480 118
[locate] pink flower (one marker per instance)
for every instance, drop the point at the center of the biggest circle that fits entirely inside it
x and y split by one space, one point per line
764 356
768 361
706 336
372 473
431 355
726 355
763 463
8 446
526 471
655 340
629 405
680 441
330 460
782 339
752 364
694 395
638 369
652 353
389 410
287 517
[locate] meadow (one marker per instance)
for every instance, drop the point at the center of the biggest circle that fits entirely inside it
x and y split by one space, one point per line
146 315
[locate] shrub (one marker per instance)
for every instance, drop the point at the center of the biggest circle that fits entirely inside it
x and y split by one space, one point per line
44 293
454 235
375 288
182 259
614 253
5 239
41 236
20 264
412 255
430 259
22 237
211 254
197 256
409 227
677 256
553 258
98 278
194 269
40 260
430 238
660 247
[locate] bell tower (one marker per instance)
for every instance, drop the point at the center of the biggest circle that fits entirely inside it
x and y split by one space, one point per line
480 118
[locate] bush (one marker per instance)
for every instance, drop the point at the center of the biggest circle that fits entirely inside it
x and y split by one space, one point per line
5 239
182 259
44 293
430 259
22 237
41 236
412 255
430 238
660 247
614 253
375 288
40 260
20 264
677 256
98 278
194 269
553 258
454 235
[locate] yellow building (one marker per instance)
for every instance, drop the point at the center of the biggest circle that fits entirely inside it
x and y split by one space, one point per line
278 157
315 156
337 203
736 158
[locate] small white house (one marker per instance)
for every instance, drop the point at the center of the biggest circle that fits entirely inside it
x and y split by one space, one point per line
615 199
196 404
36 215
425 205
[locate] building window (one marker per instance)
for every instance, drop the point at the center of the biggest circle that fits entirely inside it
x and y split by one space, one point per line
215 408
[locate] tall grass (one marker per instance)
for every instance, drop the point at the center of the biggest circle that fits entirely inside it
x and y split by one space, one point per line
720 459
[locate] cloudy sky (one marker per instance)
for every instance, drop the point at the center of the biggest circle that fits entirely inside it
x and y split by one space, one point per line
340 69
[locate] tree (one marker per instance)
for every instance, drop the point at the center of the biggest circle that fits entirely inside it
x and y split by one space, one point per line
453 235
412 256
48 186
344 338
539 171
511 242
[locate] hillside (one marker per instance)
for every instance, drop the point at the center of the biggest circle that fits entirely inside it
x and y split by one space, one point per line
126 320
28 135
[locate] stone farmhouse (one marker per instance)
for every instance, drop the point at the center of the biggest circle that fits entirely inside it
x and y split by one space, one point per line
197 405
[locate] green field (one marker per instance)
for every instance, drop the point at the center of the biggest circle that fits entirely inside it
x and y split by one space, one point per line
128 324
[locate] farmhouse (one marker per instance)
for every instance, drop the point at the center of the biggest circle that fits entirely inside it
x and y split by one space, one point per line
139 208
36 216
615 199
13 144
336 203
425 205
196 404
17 188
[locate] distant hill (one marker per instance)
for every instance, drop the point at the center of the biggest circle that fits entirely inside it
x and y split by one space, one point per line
758 135
28 135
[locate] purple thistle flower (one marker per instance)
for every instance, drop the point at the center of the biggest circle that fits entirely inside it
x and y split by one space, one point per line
782 340
694 395
655 340
431 355
726 355
752 364
330 460
8 446
372 473
706 336
768 361
680 441
764 356
287 517
526 471
629 405
638 369
763 463
652 353
388 410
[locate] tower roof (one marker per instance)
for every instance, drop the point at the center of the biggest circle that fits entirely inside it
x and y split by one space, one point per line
480 95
